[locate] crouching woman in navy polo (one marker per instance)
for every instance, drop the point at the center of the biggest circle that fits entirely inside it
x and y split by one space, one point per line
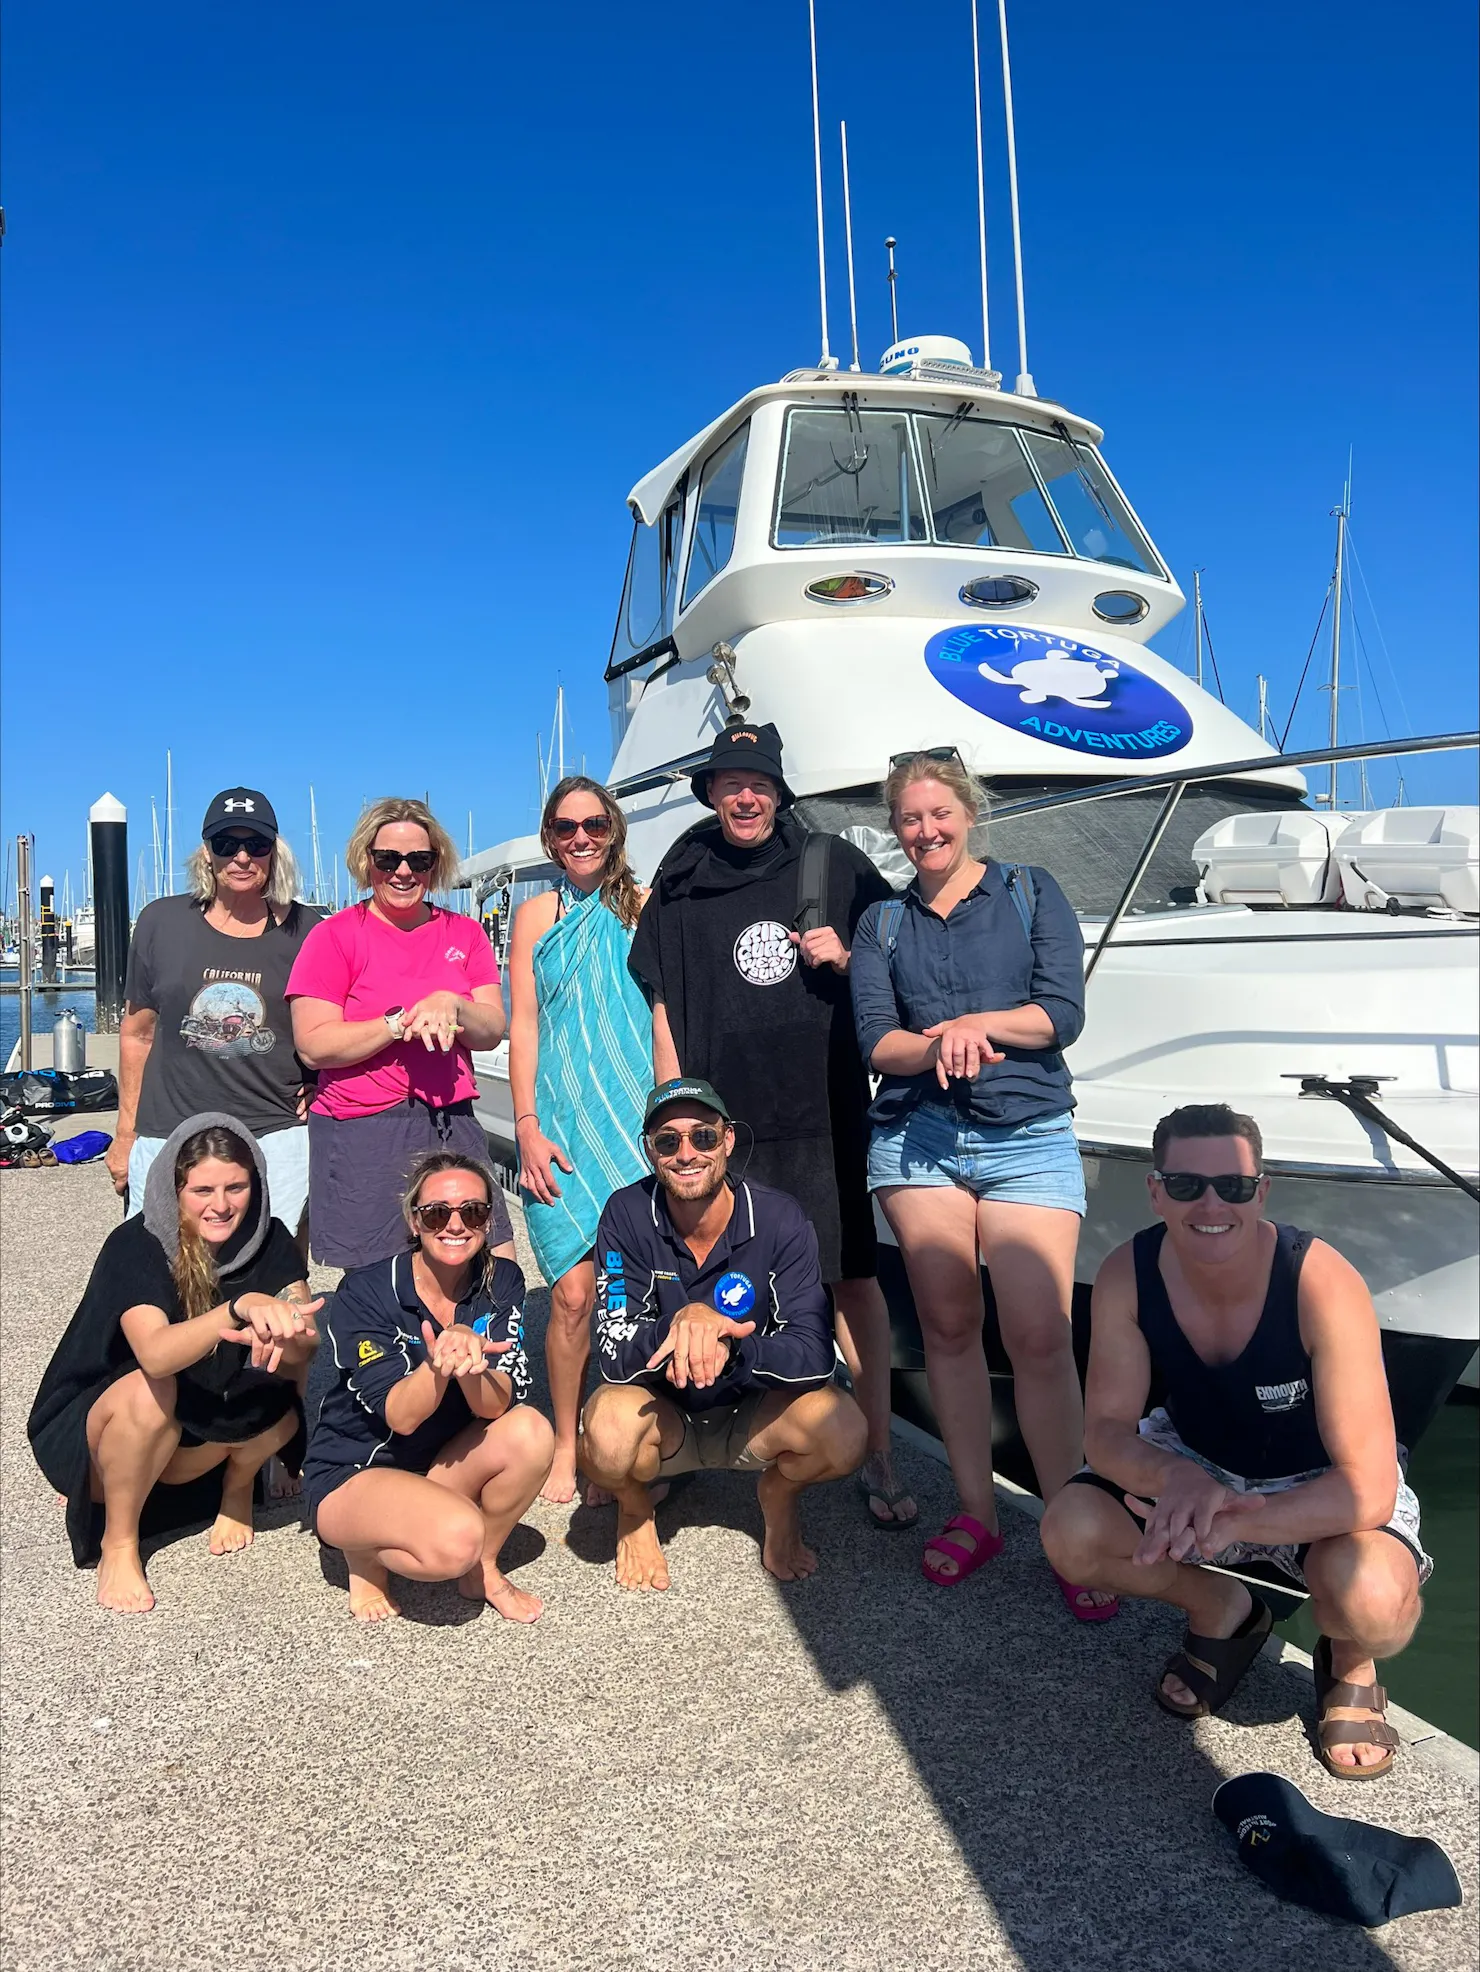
424 1457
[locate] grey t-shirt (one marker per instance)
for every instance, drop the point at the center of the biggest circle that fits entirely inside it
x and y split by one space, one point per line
223 1037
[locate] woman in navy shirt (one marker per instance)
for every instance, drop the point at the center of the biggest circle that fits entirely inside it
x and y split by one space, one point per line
423 1458
965 993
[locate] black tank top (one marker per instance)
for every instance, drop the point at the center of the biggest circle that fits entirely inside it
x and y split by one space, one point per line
1254 1416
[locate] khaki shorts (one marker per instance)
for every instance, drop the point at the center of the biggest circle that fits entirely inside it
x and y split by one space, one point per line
717 1440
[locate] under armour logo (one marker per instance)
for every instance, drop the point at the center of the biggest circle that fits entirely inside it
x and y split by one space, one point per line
247 807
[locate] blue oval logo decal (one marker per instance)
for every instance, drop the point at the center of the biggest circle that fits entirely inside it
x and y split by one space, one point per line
1056 689
734 1295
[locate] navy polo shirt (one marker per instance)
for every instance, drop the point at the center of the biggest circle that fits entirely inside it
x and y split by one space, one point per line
763 1268
373 1328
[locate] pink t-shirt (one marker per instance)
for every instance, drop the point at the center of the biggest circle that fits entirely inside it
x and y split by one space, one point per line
357 961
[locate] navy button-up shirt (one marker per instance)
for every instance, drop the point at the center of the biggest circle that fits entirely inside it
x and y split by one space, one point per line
762 1268
977 960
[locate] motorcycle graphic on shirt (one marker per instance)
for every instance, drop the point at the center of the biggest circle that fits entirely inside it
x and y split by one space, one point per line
228 1017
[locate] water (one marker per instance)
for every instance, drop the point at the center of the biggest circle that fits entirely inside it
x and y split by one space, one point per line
1436 1675
44 1009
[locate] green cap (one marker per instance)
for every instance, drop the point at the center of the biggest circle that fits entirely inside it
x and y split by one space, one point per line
682 1088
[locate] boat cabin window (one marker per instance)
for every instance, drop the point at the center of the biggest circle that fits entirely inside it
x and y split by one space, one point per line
847 478
714 528
983 492
646 613
1092 513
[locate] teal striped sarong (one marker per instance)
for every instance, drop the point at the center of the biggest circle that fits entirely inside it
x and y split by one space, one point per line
594 1071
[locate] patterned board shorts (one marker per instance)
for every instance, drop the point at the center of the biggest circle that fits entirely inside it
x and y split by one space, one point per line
1288 1557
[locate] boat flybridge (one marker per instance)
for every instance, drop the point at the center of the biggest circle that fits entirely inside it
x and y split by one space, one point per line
919 558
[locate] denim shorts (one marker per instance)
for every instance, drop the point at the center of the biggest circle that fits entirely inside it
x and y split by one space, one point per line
1033 1163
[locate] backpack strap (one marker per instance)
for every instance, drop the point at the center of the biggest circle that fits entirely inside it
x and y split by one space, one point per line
891 916
812 875
1024 894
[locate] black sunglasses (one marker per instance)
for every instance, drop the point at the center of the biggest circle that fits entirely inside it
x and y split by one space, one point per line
225 844
418 861
1233 1187
703 1136
436 1217
598 827
941 753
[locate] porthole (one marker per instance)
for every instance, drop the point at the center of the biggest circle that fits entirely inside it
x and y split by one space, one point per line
999 592
859 587
1120 606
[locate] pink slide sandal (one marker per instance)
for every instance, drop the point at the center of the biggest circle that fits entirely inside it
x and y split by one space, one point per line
1085 1612
988 1547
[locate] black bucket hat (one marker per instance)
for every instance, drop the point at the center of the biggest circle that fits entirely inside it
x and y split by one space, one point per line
1345 1868
743 746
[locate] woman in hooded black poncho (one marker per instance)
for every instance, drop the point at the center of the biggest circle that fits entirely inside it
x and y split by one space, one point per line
182 1360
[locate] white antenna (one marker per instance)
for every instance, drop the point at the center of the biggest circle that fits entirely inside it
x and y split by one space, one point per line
1263 705
1197 619
827 360
848 230
981 190
891 243
560 731
1024 386
1338 584
169 822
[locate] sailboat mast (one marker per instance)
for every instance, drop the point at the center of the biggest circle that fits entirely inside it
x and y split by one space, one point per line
560 731
169 822
1263 706
1338 583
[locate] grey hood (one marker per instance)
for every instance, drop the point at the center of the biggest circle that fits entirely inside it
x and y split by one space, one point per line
162 1206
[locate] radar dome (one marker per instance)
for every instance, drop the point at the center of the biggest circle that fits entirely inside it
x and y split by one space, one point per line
902 357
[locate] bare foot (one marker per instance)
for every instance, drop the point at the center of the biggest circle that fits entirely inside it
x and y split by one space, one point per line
784 1552
640 1560
278 1483
369 1595
560 1488
1237 1607
232 1530
121 1583
595 1495
485 1584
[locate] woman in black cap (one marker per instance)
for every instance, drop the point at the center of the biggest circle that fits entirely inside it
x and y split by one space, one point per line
205 1024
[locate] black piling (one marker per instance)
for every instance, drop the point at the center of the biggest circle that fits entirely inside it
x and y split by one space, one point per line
108 822
49 929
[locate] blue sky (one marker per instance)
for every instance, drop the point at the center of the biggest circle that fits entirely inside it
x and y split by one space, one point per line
335 336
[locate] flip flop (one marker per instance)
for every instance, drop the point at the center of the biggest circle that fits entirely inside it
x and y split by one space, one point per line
1091 1612
891 1496
988 1547
1331 1691
1213 1667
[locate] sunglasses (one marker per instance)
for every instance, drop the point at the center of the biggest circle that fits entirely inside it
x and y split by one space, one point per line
941 753
436 1217
418 861
703 1136
232 845
1233 1187
598 827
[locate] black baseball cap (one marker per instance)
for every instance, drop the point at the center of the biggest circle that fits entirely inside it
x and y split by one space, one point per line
743 746
1348 1869
682 1088
239 807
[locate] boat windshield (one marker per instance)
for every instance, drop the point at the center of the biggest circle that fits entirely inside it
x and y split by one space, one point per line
847 478
851 477
646 614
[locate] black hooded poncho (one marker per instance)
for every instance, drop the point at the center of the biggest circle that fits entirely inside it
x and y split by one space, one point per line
774 1036
221 1400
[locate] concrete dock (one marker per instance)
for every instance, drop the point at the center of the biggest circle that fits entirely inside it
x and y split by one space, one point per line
856 1772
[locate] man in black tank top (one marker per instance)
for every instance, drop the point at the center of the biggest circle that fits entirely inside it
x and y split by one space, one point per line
1275 1441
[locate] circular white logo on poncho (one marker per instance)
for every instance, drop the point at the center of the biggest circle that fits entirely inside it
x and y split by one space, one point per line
764 953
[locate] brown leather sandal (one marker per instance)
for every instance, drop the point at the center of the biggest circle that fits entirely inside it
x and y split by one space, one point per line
1212 1667
1332 1691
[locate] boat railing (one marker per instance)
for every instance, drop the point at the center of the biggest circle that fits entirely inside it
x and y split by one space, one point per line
1179 779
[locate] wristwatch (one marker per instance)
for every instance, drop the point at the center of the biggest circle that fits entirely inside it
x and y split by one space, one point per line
392 1018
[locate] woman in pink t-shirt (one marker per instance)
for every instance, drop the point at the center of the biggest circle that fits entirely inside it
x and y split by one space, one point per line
389 999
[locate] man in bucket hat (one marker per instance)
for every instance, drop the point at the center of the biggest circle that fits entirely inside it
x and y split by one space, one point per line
744 950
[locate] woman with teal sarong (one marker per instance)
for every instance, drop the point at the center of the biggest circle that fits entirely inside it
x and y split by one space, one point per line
580 1065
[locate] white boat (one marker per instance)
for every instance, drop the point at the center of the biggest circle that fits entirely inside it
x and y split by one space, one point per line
918 557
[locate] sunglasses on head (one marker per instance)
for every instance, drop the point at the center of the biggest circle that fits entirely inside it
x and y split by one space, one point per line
703 1136
418 861
598 827
941 753
1233 1187
437 1216
224 844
